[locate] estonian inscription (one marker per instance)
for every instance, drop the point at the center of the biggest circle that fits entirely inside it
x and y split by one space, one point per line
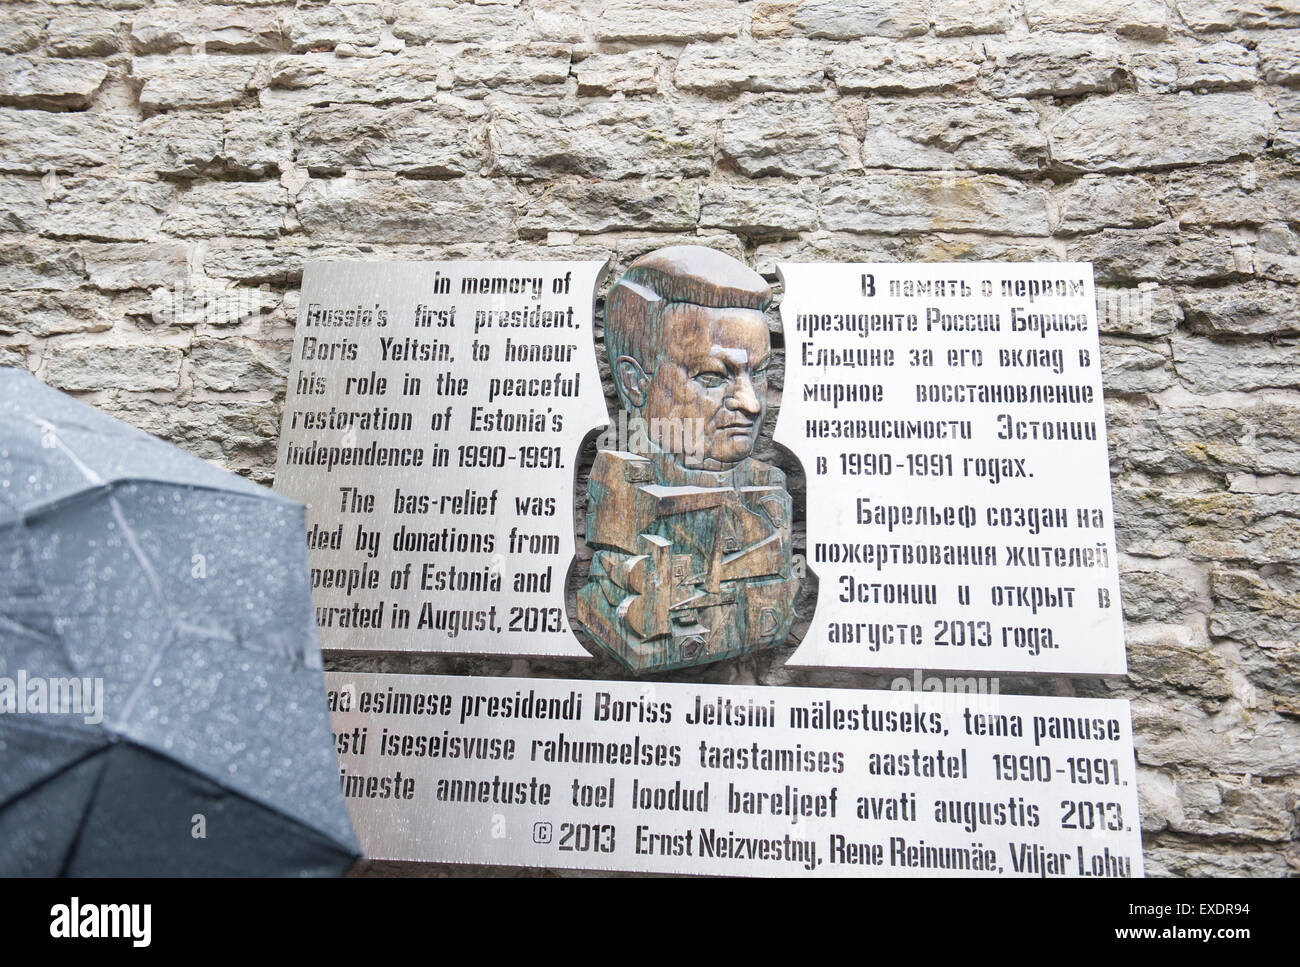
741 781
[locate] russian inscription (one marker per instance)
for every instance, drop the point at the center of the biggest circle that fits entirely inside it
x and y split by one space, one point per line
959 509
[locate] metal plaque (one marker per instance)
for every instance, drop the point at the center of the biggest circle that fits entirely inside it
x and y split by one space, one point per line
950 421
433 417
752 781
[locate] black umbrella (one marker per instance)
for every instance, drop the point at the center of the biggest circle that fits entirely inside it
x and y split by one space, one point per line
162 705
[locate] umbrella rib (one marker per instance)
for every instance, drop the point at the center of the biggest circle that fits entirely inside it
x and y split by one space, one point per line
28 514
314 831
81 826
149 571
50 777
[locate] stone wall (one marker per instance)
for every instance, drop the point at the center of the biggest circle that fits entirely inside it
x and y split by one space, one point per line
166 169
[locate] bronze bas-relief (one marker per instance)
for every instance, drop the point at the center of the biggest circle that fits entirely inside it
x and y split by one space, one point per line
691 536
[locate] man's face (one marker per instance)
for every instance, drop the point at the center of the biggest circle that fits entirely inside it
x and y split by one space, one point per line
711 377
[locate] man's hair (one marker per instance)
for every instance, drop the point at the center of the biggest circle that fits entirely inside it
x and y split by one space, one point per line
637 304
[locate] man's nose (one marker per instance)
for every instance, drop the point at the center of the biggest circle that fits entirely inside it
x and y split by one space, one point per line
743 398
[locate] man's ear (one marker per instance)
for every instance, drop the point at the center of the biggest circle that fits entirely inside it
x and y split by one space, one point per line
632 380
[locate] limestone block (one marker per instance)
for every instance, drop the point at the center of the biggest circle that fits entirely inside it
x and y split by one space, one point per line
401 210
783 136
909 202
1127 132
47 83
87 368
938 134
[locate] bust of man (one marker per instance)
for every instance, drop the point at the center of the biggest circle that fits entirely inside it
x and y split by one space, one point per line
691 535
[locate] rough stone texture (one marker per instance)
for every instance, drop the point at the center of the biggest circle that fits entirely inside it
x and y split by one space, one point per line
90 33
119 266
851 19
21 29
1234 195
53 313
609 140
211 28
1146 309
322 27
1095 202
1134 369
1253 436
38 264
1213 15
22 204
1161 254
171 83
37 141
227 365
933 135
1045 64
1279 60
223 209
411 211
1219 66
107 208
514 70
1129 132
790 67
761 209
167 168
783 136
880 65
636 72
1210 367
125 367
177 145
1154 591
1286 139
958 17
773 18
1252 309
422 23
1147 19
322 78
1257 609
589 207
257 142
653 20
238 433
429 140
32 82
922 202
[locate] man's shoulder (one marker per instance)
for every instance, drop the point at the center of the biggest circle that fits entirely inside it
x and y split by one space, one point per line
760 474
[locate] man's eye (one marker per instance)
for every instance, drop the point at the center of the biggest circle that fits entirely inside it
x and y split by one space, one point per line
711 380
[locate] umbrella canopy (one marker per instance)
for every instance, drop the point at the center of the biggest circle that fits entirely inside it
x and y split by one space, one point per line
162 704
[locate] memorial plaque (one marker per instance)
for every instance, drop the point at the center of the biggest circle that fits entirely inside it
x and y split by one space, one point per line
758 781
433 416
950 421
